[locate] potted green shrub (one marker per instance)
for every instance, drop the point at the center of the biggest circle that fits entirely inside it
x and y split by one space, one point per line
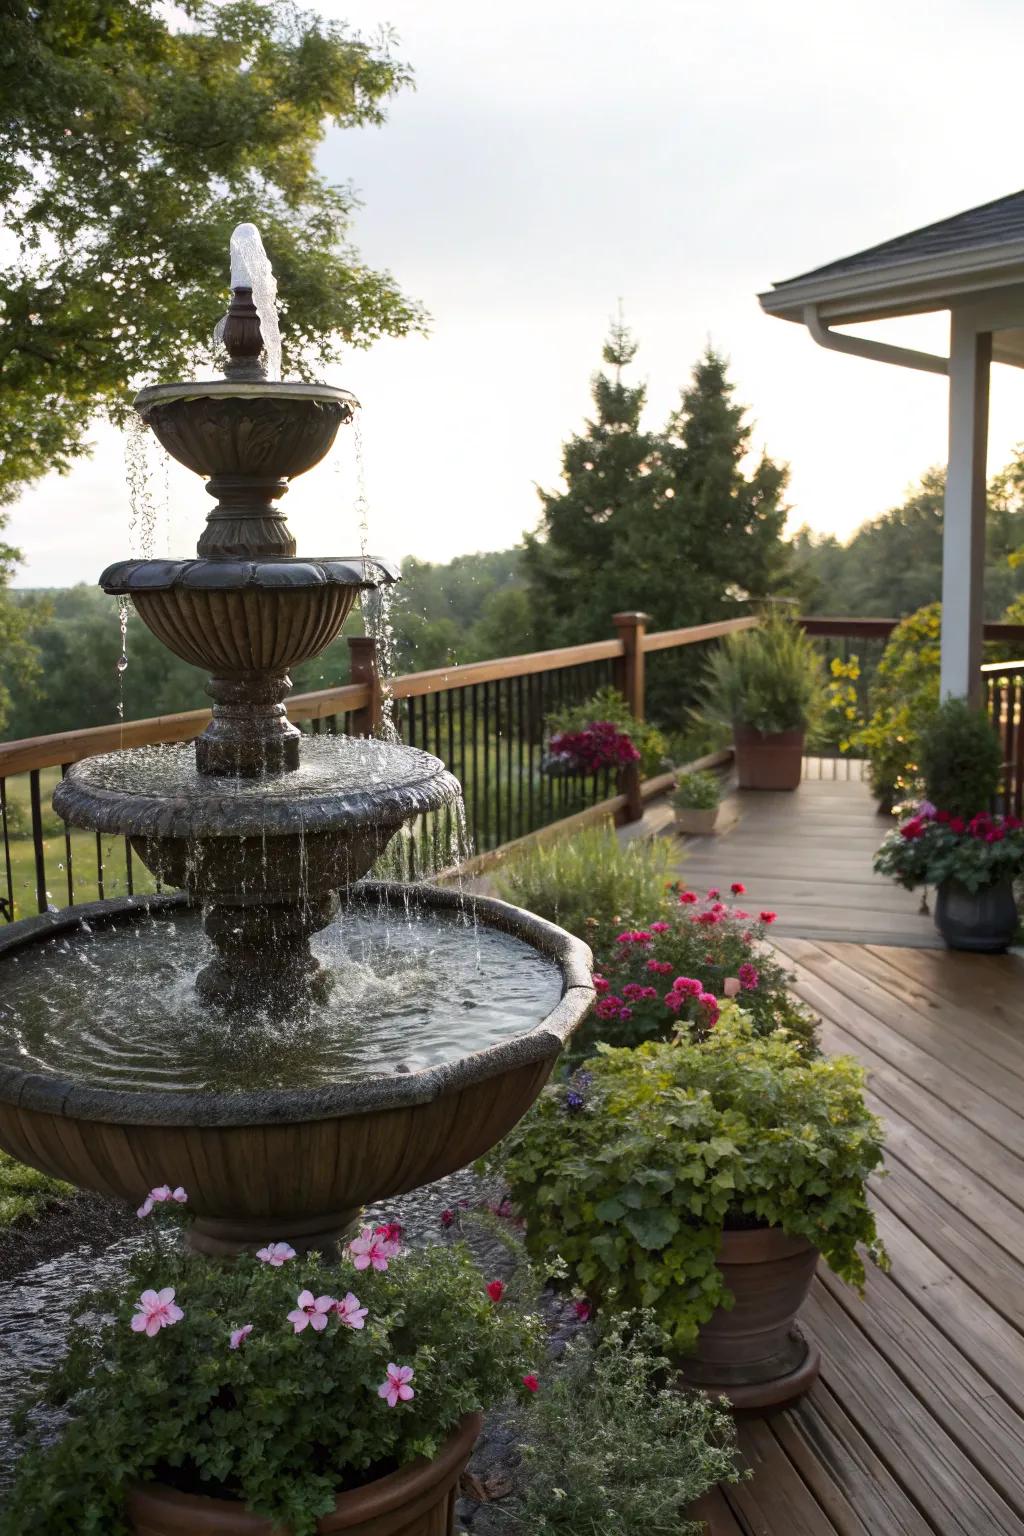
704 1179
274 1396
696 800
953 841
767 682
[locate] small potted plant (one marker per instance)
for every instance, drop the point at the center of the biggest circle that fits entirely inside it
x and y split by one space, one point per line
767 684
704 1178
695 801
953 841
277 1395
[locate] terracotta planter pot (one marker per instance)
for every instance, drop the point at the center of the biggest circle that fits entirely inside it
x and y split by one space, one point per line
984 921
754 1354
696 823
418 1500
768 762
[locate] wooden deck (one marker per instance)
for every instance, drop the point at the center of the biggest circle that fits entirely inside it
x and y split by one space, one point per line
808 856
917 1423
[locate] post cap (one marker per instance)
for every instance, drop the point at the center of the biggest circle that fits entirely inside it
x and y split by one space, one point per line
628 619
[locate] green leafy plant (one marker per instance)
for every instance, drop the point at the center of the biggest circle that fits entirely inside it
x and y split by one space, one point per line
25 1193
697 792
631 1171
676 969
609 705
903 697
588 882
961 759
615 1447
245 1383
932 846
768 678
841 716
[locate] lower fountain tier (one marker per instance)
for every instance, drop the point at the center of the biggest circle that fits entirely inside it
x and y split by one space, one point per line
285 1163
265 856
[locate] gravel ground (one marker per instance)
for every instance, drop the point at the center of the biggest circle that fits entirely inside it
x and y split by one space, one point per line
85 1241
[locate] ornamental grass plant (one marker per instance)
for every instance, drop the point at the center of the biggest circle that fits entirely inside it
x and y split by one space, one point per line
697 792
589 882
615 1448
769 679
630 1172
277 1380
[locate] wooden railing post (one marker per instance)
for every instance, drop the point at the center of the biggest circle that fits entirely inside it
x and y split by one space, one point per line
631 629
362 651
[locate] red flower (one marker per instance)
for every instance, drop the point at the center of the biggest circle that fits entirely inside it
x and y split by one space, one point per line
583 1311
531 1383
687 898
447 1218
661 966
1013 823
600 985
391 1232
912 828
956 824
768 917
496 1289
714 893
942 816
738 888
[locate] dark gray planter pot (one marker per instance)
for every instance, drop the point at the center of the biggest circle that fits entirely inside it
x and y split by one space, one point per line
984 921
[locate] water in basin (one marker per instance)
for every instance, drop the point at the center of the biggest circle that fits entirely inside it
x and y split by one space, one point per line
116 1007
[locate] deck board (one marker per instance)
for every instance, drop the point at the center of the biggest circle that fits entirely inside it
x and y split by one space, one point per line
916 1427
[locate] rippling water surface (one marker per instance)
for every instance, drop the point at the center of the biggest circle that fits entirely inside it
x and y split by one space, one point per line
117 1007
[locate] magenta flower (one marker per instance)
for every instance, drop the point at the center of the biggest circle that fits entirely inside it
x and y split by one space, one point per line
397 1387
447 1218
659 927
370 1248
687 898
714 893
709 1002
531 1383
583 1311
312 1310
738 888
349 1312
600 985
688 986
276 1254
155 1310
160 1196
239 1335
748 976
661 967
391 1231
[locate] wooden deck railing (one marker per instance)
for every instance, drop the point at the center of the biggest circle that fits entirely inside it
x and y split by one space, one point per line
1004 700
485 719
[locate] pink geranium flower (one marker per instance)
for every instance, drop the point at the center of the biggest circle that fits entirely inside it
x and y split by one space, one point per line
370 1248
496 1289
397 1389
313 1311
659 927
160 1196
687 985
239 1335
531 1383
349 1312
447 1218
738 888
748 976
687 898
155 1310
661 967
768 917
276 1254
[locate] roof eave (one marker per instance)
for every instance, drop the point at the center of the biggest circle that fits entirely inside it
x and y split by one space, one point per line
900 287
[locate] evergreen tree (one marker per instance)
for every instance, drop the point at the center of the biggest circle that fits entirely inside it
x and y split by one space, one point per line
610 474
668 522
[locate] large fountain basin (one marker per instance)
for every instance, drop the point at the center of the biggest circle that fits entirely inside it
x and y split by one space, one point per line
291 1164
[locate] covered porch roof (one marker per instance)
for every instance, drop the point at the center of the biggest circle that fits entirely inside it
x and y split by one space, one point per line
971 264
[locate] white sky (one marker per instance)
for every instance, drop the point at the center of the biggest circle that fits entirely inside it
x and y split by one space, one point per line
679 155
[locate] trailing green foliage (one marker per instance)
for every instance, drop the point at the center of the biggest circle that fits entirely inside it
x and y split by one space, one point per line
903 697
631 1172
615 1447
768 678
25 1193
588 882
286 1418
961 759
697 792
608 704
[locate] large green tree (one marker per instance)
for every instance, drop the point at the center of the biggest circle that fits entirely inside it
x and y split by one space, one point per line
671 522
130 145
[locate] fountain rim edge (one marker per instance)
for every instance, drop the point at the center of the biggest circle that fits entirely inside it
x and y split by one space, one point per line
51 1094
238 389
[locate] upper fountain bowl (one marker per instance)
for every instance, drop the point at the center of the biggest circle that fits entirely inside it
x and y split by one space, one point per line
258 429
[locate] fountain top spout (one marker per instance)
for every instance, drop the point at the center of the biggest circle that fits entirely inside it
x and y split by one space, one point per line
250 330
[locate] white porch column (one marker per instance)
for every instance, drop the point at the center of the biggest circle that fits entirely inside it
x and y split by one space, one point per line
963 549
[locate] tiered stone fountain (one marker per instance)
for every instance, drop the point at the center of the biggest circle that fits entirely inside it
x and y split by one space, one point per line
134 1051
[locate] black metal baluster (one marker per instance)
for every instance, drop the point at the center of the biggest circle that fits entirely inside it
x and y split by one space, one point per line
497 763
474 726
520 748
68 854
485 788
9 904
425 831
37 839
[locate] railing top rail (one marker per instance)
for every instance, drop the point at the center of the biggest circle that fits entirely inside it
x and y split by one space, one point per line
1003 668
693 634
414 684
